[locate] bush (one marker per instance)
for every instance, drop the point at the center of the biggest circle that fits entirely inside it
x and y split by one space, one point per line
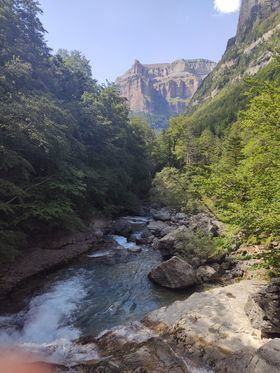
195 244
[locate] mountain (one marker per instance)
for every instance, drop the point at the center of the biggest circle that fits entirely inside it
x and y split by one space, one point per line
158 91
258 33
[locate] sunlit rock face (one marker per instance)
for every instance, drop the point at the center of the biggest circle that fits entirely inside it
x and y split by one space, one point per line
163 89
251 49
253 9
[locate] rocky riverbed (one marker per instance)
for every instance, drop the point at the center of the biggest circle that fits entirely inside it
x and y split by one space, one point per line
168 324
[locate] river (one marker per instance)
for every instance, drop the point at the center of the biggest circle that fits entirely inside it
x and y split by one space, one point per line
94 294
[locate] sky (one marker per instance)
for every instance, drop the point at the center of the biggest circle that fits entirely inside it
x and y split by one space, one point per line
113 33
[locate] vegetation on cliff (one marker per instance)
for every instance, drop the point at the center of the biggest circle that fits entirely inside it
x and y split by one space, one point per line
67 148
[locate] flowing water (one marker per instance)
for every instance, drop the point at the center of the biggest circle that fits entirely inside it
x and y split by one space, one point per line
85 299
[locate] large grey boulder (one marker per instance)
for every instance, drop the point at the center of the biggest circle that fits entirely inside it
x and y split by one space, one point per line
167 244
263 309
212 326
175 273
162 214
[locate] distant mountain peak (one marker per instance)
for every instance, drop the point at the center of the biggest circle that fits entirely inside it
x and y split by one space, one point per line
160 90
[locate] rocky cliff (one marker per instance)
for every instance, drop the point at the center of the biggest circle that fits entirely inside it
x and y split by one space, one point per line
253 10
258 33
159 91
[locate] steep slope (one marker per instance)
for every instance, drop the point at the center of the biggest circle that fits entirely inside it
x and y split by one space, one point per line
162 90
258 33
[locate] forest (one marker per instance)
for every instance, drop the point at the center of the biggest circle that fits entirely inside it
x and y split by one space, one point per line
68 149
224 159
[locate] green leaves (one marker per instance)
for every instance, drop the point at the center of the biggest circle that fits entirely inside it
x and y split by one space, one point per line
67 146
236 176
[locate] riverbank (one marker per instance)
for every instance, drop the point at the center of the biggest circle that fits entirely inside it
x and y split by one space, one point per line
71 320
49 255
208 332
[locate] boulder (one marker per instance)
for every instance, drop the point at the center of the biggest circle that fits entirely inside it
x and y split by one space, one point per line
162 214
206 223
263 309
135 348
166 244
175 273
122 227
180 218
205 273
266 359
212 326
134 249
159 228
195 262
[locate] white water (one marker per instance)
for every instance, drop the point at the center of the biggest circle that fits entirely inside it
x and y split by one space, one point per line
48 317
84 300
122 241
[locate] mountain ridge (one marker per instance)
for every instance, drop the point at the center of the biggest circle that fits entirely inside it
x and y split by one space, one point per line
258 32
161 90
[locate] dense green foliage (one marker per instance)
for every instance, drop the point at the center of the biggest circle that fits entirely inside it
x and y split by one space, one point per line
224 158
67 148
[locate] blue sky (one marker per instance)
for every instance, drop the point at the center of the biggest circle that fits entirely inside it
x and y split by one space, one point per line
112 33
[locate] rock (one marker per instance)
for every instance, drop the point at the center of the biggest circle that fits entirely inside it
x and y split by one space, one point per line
159 228
206 223
145 241
266 359
126 226
134 249
166 244
263 309
135 348
162 89
98 233
196 262
225 266
162 214
180 218
122 227
205 273
217 267
174 274
212 326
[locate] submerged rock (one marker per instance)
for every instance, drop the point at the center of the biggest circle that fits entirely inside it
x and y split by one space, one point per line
175 273
134 249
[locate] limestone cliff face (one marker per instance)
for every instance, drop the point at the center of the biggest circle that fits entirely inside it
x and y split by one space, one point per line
251 10
163 89
258 32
